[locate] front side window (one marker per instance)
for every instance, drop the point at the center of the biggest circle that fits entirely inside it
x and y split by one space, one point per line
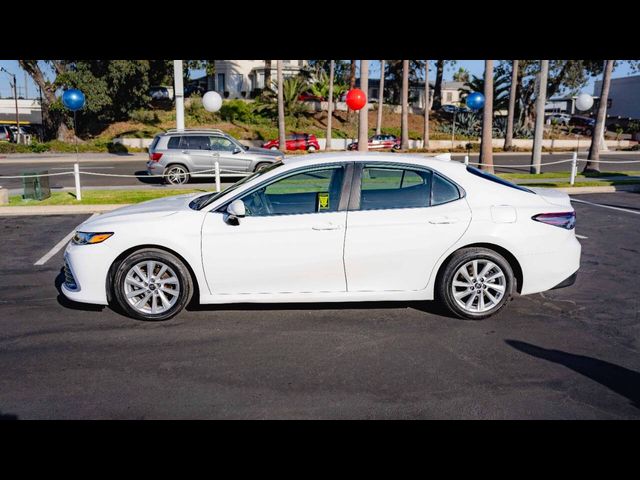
222 144
384 187
313 191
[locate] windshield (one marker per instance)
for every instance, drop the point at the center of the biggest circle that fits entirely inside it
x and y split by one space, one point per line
204 200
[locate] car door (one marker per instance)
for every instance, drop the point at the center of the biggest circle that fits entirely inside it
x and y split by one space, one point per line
196 149
231 156
290 241
401 220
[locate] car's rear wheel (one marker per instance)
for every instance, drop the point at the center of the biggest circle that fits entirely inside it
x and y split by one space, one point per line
476 283
260 166
274 148
152 284
176 175
311 148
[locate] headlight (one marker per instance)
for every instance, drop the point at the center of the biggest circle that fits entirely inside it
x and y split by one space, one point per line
86 238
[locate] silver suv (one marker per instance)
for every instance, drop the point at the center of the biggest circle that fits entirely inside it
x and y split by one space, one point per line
181 154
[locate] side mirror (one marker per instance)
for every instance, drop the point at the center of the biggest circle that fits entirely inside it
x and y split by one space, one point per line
236 150
236 210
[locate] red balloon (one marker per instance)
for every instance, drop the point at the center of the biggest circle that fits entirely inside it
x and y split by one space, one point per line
356 99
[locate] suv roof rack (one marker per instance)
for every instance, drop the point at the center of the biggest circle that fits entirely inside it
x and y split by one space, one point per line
207 130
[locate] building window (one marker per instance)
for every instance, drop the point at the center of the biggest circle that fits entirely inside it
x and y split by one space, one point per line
286 62
449 96
220 83
374 93
301 63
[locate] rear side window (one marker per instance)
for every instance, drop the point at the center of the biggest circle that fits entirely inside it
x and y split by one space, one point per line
443 191
154 142
383 188
496 179
174 143
196 142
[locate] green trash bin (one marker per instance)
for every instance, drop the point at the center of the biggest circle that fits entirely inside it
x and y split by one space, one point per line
36 187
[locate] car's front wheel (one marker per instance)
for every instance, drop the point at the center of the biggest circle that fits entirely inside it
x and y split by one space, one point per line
261 165
476 283
152 284
311 148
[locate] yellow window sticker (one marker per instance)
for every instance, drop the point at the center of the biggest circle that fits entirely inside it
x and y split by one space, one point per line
323 201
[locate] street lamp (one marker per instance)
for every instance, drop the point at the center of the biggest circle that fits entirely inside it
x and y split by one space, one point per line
15 95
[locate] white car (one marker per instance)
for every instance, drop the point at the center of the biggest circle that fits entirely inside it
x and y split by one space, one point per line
331 228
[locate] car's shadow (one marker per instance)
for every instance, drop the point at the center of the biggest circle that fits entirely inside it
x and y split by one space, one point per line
144 177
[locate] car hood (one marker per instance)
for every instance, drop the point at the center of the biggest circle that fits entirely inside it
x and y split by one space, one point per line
264 151
149 210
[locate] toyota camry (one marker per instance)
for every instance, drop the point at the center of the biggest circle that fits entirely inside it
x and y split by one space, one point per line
338 227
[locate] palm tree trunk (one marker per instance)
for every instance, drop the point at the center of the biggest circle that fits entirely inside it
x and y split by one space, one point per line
267 74
380 99
281 129
508 138
598 131
425 136
405 105
541 100
437 94
486 148
327 145
363 124
352 85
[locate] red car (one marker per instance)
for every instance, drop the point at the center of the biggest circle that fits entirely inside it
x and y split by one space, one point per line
295 141
309 97
379 142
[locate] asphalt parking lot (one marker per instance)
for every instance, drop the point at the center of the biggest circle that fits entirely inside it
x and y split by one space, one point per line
564 354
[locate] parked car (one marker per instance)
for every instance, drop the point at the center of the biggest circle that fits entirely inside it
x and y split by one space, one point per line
379 142
194 89
449 108
295 141
331 228
582 125
193 152
161 96
559 119
5 133
309 97
14 131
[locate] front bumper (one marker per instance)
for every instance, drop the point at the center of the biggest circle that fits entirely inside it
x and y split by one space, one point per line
86 270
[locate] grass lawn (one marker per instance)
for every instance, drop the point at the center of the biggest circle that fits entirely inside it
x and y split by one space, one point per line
602 183
100 197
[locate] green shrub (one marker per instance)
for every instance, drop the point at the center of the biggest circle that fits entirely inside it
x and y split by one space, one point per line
7 147
236 110
39 147
148 117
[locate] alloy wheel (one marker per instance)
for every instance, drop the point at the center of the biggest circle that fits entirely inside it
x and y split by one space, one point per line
177 175
151 287
478 286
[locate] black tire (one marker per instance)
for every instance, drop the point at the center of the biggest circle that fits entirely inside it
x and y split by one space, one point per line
261 165
311 148
175 167
444 292
588 132
153 254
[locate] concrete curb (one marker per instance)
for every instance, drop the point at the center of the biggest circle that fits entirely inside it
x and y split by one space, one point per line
605 189
58 209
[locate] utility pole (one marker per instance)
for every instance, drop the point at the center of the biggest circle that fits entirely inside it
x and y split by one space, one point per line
15 96
26 88
363 124
380 99
327 145
541 100
178 93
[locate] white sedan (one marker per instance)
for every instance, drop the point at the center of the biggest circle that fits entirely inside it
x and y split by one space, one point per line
331 228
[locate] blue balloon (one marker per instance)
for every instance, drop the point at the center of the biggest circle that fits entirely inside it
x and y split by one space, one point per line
73 99
475 101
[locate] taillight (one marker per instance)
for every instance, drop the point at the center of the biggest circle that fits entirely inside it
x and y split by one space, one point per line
563 219
154 157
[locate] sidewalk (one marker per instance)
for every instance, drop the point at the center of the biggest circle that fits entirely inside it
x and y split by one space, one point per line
18 158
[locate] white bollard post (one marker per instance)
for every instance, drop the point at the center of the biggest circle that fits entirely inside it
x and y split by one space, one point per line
466 159
217 171
574 168
76 174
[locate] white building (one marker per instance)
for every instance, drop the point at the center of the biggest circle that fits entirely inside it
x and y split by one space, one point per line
29 111
239 78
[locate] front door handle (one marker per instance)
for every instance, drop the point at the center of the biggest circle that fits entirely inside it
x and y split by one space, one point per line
186 151
442 220
328 226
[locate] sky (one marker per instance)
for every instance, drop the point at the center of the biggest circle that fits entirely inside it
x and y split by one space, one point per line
475 67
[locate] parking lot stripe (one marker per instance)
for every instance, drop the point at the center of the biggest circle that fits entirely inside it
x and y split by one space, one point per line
58 246
581 236
605 206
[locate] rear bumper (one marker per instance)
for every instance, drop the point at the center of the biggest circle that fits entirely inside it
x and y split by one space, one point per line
546 270
567 282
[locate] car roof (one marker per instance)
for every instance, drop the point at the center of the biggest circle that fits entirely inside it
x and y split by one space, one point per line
438 161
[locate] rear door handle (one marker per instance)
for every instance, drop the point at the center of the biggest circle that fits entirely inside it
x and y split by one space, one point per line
442 220
329 226
186 151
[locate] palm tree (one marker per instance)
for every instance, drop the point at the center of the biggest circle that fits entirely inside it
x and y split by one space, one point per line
380 98
500 89
598 131
437 94
405 105
486 148
267 73
425 136
352 83
541 100
281 130
327 145
508 138
363 124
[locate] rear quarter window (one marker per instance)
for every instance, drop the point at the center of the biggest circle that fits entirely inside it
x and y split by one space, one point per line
155 141
174 143
496 179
